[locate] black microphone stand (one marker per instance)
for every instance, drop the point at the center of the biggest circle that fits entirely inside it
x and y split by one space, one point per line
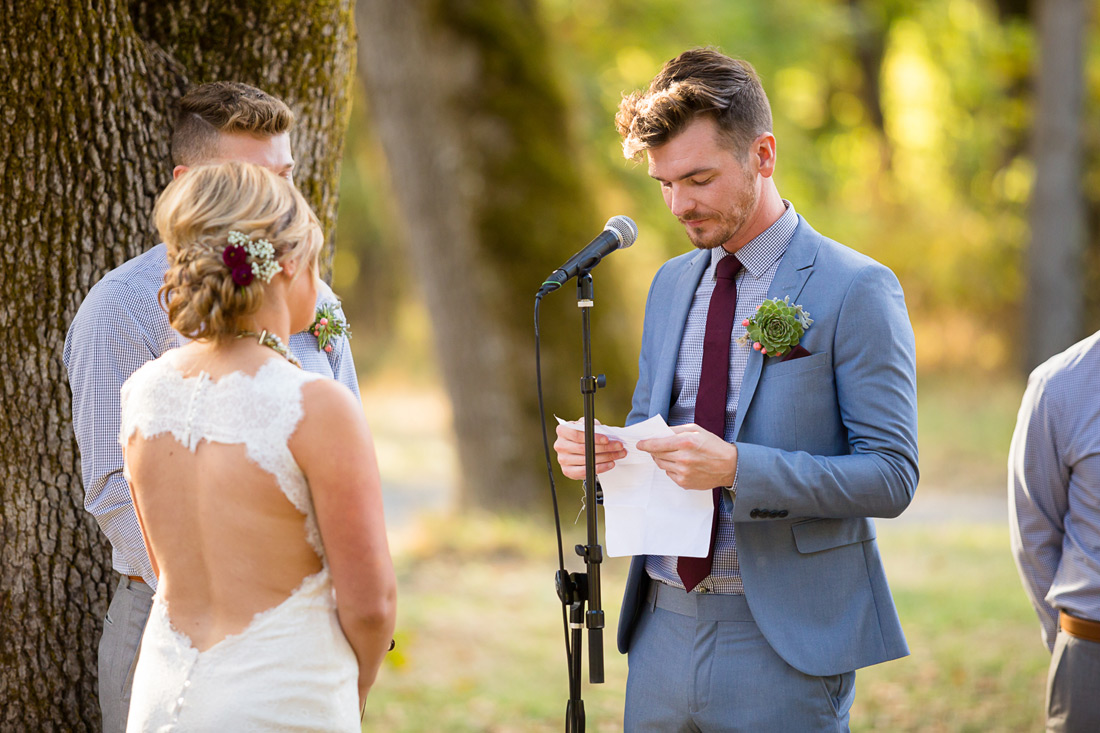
575 589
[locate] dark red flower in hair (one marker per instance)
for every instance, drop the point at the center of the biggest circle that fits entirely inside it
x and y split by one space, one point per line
234 256
242 274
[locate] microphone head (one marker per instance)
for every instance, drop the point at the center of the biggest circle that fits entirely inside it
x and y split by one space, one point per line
624 229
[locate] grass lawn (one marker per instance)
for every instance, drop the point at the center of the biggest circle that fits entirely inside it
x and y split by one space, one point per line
977 662
480 641
964 428
481 647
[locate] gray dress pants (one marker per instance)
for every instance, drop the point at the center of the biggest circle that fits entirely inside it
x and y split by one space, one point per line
118 650
1073 686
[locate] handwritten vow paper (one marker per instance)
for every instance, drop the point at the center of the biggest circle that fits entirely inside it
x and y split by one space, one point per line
645 512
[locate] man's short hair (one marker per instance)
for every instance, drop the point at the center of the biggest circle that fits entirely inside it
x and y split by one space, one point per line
702 81
224 107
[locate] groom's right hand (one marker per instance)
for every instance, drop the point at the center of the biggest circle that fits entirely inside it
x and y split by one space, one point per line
570 449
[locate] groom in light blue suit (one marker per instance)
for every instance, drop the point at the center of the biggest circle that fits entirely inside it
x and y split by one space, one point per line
816 437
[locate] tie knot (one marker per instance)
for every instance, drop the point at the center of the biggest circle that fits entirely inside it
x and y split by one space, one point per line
727 267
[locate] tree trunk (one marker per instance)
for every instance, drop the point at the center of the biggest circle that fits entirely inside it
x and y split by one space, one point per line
870 28
475 131
87 95
1055 301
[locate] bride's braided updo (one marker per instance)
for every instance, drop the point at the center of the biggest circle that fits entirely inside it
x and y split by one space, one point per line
195 215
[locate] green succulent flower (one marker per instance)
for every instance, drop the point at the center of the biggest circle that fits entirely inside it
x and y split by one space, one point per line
776 327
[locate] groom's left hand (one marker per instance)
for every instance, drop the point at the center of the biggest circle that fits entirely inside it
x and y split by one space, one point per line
694 458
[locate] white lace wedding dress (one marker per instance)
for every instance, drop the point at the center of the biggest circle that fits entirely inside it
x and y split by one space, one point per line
291 669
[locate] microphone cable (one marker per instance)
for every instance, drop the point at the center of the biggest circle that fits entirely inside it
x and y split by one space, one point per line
562 574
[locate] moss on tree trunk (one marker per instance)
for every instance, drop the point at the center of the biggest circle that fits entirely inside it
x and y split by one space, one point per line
87 95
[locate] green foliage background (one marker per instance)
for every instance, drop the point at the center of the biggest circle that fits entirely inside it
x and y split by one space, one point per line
903 131
925 168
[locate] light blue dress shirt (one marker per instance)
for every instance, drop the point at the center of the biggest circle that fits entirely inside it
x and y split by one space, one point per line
760 259
120 326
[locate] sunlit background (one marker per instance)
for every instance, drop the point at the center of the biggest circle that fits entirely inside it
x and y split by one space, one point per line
906 130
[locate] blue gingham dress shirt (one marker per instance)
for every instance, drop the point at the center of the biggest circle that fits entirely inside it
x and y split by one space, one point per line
1054 486
760 259
120 326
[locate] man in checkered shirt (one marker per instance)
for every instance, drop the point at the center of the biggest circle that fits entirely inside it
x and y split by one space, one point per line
1054 516
121 325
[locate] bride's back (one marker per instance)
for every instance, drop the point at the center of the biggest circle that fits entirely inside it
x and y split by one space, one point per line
239 462
227 541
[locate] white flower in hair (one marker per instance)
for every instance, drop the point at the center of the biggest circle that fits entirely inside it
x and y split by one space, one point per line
261 254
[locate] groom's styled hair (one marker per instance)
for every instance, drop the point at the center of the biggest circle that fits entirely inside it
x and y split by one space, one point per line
699 82
224 107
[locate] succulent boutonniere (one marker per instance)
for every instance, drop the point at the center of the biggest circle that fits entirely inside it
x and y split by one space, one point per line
327 325
776 327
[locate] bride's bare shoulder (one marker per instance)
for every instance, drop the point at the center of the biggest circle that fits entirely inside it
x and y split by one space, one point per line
329 405
332 438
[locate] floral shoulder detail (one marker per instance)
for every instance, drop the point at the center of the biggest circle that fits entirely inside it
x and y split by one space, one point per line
327 325
776 327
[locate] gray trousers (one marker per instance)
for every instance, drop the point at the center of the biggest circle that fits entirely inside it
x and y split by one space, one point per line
698 663
118 650
1073 686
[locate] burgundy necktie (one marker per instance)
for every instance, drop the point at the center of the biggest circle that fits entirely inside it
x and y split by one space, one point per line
710 403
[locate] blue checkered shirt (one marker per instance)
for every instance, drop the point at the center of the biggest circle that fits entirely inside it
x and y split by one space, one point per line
120 326
1054 487
760 259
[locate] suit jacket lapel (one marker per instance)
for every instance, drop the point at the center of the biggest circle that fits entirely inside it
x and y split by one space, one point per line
790 278
683 293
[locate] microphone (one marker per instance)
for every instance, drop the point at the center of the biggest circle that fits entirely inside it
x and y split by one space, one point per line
618 233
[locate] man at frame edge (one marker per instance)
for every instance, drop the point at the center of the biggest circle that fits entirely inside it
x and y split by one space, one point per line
1054 521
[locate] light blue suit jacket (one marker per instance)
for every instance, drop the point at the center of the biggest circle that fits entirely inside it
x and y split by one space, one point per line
824 442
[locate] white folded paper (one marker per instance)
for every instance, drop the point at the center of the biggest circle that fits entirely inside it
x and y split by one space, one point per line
646 512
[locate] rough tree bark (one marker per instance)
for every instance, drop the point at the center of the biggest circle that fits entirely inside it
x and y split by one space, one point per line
86 99
1055 300
464 99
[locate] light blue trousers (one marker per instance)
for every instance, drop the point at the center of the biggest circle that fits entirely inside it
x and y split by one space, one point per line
698 663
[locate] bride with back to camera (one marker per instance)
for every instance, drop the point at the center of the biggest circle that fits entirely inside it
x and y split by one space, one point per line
254 482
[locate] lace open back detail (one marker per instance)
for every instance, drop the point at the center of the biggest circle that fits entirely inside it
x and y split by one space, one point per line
260 411
291 668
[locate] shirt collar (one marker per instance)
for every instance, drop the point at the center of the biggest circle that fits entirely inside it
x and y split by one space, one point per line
760 254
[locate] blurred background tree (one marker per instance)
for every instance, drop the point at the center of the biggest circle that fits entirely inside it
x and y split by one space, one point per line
489 193
1057 217
908 130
